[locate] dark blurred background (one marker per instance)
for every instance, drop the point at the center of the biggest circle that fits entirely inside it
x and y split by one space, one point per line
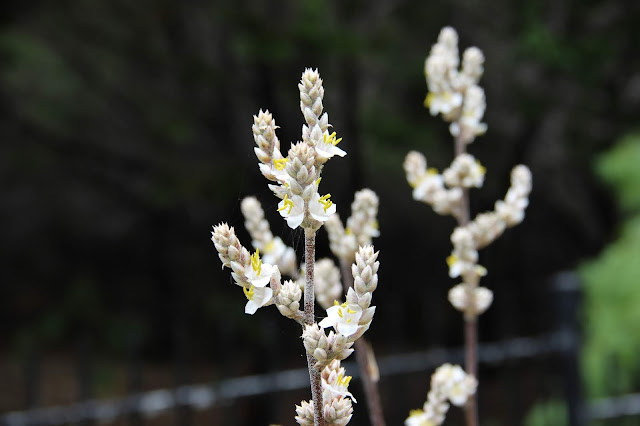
126 134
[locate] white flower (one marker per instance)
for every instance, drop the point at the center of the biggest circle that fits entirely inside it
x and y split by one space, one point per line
292 209
321 208
418 418
454 383
482 296
257 298
443 102
328 146
260 274
337 384
428 184
344 318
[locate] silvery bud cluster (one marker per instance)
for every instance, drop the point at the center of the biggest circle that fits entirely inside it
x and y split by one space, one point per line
463 261
336 398
325 347
248 270
298 175
488 226
268 146
429 186
362 226
449 383
288 300
470 299
454 92
464 172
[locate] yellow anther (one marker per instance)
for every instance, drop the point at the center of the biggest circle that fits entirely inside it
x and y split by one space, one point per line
429 99
375 224
350 311
256 263
280 163
343 381
482 168
348 231
336 303
318 181
340 313
432 171
451 260
287 204
249 292
331 139
325 201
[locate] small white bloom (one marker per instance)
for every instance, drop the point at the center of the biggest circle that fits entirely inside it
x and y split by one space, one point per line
343 318
418 418
257 298
292 209
321 208
443 102
328 146
337 384
260 273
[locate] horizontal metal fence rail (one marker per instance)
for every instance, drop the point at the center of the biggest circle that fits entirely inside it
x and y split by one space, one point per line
204 396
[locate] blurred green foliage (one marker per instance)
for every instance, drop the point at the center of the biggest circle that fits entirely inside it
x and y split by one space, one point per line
611 294
612 286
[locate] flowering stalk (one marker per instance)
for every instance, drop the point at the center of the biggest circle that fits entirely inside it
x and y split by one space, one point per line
455 94
295 180
362 226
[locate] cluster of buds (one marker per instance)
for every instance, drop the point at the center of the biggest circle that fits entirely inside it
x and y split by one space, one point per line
297 176
248 270
467 297
335 397
443 192
274 251
454 91
456 95
349 320
449 383
362 226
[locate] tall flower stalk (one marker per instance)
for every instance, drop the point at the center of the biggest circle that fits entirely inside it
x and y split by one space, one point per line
295 181
454 93
360 229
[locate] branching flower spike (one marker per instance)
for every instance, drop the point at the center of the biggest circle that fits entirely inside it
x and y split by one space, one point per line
455 94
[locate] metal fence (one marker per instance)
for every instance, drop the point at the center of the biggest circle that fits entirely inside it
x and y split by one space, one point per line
564 343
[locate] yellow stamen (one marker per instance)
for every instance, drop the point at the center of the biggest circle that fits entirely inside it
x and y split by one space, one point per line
318 181
249 292
350 311
256 263
482 168
343 381
432 171
340 313
336 303
451 260
280 163
287 204
326 202
331 139
348 231
429 100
